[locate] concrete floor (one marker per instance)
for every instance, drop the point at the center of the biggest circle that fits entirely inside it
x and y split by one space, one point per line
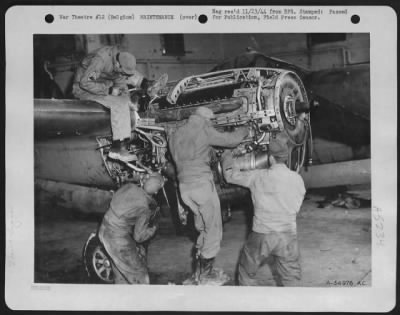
335 245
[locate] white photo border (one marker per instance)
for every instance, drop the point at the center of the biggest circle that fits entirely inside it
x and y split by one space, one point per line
22 22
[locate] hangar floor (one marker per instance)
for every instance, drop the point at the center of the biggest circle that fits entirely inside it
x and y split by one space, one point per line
335 245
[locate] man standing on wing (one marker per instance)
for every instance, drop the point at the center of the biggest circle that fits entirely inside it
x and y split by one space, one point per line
191 147
127 222
277 194
103 76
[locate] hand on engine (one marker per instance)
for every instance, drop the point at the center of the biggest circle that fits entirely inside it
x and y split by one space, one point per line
237 152
123 90
119 90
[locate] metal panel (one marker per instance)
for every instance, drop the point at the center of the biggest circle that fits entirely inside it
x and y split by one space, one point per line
81 198
73 160
337 174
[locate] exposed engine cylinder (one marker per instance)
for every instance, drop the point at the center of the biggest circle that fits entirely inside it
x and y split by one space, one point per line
269 99
252 160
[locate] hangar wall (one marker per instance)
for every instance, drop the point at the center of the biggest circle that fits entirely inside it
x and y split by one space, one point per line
203 51
296 48
200 52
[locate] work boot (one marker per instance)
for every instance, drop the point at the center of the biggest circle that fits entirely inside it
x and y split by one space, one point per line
210 275
194 278
118 151
157 85
206 274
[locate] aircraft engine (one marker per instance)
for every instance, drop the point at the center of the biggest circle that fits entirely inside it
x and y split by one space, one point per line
266 100
148 146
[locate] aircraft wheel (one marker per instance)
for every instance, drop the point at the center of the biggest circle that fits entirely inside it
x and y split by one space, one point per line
97 262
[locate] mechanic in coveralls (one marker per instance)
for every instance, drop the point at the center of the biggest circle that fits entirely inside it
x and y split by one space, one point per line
103 76
277 194
126 223
191 149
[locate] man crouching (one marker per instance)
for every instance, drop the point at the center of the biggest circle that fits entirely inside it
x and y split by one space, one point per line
277 194
126 223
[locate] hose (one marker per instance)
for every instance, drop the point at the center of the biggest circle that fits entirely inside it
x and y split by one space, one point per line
258 141
259 107
137 169
152 127
144 167
150 138
166 197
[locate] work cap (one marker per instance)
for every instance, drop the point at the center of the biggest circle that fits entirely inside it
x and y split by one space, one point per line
204 112
278 147
153 183
127 62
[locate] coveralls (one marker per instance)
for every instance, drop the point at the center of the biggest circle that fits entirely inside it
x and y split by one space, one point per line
191 149
130 207
277 194
93 79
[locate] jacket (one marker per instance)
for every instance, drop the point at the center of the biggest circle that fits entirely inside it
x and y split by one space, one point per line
191 147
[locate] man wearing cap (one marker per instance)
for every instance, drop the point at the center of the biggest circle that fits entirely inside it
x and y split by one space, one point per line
103 76
129 222
277 194
191 148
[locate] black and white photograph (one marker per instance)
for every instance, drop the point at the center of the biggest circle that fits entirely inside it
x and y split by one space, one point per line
202 160
185 193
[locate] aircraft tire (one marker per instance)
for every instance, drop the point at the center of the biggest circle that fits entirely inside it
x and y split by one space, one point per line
97 262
